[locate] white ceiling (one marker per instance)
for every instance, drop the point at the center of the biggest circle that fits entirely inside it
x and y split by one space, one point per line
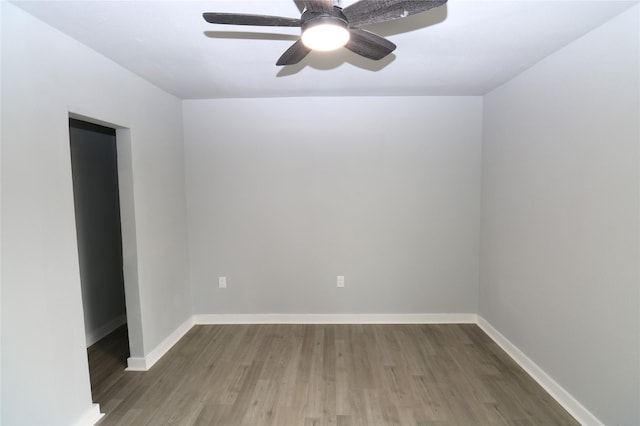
467 47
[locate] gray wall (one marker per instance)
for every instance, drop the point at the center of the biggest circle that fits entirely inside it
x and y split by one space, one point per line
561 217
97 212
286 194
45 76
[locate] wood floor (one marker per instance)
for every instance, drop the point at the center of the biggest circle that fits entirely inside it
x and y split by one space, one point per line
326 375
107 360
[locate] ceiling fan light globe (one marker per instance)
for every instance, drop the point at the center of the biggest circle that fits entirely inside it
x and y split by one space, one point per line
325 36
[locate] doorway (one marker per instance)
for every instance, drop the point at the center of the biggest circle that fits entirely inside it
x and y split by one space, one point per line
94 165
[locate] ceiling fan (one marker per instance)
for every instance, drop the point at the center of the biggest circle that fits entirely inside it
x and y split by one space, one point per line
326 26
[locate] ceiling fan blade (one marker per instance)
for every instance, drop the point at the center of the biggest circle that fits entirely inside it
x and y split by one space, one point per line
325 6
294 54
244 19
368 44
366 12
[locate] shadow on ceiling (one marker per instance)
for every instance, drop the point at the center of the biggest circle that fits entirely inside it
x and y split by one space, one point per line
330 60
250 35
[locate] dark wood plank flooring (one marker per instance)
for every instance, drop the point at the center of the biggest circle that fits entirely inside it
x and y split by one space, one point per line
324 375
107 360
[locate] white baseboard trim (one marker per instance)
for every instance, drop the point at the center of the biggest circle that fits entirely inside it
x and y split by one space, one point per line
136 364
144 364
211 319
91 416
94 335
564 398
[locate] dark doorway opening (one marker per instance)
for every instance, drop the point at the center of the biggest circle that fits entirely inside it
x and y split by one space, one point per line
97 207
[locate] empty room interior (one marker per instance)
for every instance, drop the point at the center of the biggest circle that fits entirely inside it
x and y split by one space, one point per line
438 223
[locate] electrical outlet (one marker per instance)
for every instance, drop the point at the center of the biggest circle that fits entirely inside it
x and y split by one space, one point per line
340 281
222 282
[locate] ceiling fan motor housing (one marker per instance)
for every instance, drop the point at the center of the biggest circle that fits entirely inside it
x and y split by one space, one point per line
336 13
323 19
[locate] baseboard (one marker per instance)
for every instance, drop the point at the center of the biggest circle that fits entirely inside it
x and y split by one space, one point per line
144 364
90 417
95 335
136 364
335 319
564 398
